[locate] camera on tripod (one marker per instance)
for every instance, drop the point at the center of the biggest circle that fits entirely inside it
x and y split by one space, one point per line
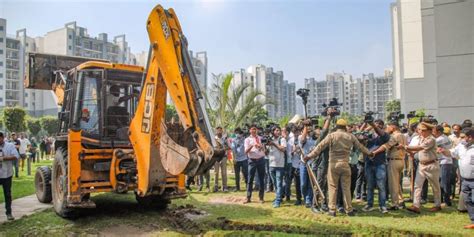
303 93
334 104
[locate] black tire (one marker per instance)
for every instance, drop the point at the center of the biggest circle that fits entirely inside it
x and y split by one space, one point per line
59 184
43 184
153 201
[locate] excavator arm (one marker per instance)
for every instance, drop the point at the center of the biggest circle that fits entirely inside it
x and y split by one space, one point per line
169 70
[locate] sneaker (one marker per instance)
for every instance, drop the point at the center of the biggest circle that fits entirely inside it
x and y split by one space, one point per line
247 201
332 213
341 210
384 210
225 190
307 205
298 203
10 217
352 213
367 208
423 201
276 205
325 208
315 210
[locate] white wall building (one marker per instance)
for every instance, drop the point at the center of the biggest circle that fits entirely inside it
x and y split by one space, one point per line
434 55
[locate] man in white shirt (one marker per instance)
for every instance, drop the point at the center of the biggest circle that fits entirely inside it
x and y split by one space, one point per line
8 154
24 147
446 164
465 151
276 158
255 151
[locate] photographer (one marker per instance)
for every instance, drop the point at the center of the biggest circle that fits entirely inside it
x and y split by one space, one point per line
375 168
255 151
295 157
307 141
340 144
240 158
276 156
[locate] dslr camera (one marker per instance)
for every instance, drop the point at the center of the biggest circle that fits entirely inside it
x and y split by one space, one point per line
334 104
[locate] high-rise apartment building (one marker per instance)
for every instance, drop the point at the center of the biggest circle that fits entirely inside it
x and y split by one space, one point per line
433 55
355 96
70 40
274 88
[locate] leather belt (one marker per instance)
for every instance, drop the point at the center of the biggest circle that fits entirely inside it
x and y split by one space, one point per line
427 162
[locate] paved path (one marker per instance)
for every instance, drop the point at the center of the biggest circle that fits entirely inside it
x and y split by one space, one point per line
24 206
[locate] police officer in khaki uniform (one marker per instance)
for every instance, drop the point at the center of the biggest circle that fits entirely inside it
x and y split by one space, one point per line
340 145
428 167
396 155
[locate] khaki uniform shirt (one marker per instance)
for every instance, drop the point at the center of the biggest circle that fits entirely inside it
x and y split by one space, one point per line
429 149
397 138
340 145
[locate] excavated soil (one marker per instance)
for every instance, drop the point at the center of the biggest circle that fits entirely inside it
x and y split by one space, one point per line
228 200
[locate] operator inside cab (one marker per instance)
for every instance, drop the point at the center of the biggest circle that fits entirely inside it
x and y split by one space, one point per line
117 112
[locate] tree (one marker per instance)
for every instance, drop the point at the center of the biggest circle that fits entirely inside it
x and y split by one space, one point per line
232 106
392 106
14 119
34 126
50 124
171 113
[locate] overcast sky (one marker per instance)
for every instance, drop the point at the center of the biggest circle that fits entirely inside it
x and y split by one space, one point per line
301 38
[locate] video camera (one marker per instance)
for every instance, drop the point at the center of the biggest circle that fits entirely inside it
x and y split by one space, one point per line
267 135
303 93
368 117
363 135
396 116
411 114
429 119
334 104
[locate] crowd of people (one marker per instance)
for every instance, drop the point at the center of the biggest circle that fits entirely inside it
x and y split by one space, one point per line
349 162
14 152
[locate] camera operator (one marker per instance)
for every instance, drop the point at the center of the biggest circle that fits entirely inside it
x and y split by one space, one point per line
395 157
276 156
428 167
295 157
340 144
240 158
308 140
375 168
255 151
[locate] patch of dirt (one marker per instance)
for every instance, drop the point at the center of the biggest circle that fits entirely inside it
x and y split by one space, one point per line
123 230
182 218
228 200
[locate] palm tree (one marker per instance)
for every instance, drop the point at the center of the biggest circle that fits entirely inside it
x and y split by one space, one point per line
232 106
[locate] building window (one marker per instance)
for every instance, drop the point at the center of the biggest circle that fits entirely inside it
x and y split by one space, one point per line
1 51
1 99
1 87
70 36
26 95
1 75
70 47
1 28
1 40
1 64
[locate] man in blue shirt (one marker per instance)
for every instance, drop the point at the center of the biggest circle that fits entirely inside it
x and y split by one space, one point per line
376 167
240 158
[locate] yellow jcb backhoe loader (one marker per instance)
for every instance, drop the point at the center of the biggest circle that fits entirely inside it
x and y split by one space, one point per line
112 134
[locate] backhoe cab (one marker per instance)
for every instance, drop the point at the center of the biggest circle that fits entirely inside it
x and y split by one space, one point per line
113 136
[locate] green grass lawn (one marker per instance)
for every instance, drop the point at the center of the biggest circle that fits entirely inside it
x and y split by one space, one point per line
225 215
24 184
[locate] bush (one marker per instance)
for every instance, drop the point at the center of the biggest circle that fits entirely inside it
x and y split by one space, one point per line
14 119
34 126
50 124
